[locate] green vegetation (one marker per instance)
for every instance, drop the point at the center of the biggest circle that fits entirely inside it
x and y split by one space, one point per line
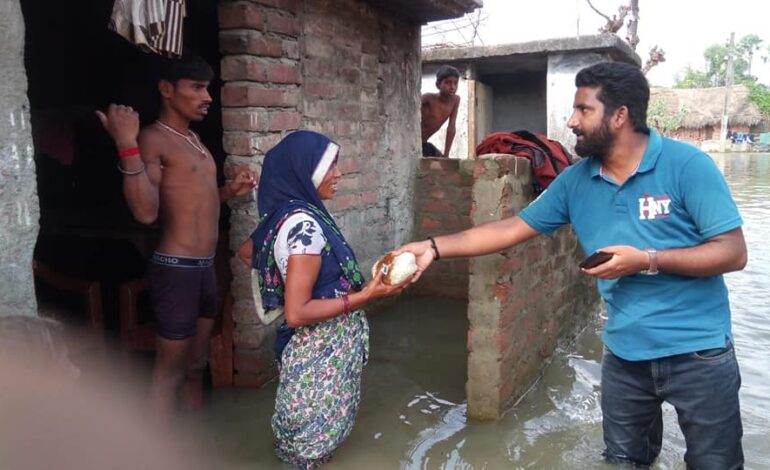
716 72
661 119
716 64
760 96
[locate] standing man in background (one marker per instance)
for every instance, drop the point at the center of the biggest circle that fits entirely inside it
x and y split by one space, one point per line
168 174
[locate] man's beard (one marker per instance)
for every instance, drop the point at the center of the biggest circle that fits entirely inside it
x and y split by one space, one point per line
595 144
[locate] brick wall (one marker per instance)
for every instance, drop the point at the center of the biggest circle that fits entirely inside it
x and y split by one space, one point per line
444 193
343 68
521 301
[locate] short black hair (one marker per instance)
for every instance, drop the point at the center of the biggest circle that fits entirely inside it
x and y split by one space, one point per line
189 66
446 71
619 85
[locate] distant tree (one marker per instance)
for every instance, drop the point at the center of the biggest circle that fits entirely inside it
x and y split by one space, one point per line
716 65
747 46
693 79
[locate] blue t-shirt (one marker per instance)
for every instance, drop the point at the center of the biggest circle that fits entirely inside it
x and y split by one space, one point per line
677 198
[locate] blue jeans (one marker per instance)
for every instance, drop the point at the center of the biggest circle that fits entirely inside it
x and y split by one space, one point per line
703 388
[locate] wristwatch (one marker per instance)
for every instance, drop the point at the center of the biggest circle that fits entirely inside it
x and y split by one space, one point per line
653 269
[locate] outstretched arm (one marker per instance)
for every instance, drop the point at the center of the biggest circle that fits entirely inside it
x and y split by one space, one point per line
139 161
483 239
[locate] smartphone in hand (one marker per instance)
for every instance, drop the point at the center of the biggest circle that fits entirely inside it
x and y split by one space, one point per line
595 260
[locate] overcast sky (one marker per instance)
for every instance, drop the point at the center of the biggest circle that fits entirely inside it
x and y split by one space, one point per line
682 28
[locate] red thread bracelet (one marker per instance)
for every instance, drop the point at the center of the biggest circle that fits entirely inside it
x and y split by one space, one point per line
129 152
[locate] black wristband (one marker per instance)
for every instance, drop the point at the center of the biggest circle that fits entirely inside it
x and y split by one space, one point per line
435 249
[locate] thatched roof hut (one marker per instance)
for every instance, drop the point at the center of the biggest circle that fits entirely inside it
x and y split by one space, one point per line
703 106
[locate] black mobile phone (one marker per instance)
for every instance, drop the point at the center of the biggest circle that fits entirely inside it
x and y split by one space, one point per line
595 260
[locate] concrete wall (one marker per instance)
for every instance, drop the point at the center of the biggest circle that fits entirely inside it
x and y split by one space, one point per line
562 69
519 101
344 68
521 301
443 205
19 210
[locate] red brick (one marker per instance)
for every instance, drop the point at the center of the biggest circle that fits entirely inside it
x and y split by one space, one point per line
240 15
351 183
244 67
323 126
283 24
347 128
284 73
320 89
434 206
371 179
351 75
369 62
289 5
351 111
348 165
503 340
323 49
318 27
257 96
437 194
370 198
239 120
343 202
367 147
238 143
250 42
285 120
264 143
291 49
430 224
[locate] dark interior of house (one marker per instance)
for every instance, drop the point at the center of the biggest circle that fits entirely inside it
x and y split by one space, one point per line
76 65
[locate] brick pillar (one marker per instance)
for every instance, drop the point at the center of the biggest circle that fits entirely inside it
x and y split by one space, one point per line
259 42
521 301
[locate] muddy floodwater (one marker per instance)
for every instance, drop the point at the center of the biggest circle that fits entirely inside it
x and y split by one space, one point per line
413 411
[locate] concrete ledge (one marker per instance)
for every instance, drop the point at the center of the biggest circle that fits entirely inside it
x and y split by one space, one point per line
619 49
424 11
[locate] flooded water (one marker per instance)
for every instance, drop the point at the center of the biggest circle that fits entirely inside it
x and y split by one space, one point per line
413 411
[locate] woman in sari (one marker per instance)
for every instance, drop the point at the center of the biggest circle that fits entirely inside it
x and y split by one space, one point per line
306 269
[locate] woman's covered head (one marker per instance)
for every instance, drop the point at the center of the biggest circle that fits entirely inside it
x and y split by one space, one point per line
301 167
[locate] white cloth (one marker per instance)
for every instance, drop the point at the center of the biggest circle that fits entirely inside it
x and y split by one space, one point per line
300 234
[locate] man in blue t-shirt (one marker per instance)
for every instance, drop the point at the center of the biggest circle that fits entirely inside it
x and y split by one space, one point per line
663 211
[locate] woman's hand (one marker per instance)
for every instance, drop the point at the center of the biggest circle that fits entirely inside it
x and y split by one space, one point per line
423 253
376 288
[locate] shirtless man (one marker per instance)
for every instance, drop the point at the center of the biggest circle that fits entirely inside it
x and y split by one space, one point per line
169 174
437 108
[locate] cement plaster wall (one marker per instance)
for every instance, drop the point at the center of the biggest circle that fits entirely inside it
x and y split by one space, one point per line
19 210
